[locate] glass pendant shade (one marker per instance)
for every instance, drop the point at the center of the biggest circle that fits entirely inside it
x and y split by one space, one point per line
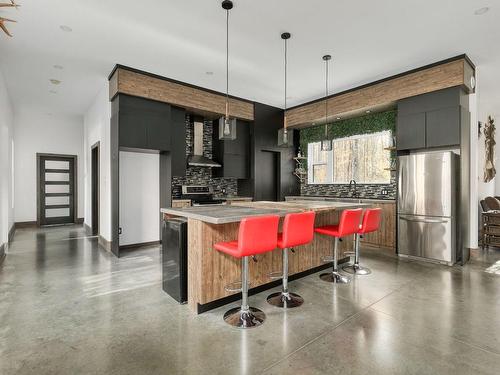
285 137
326 145
227 128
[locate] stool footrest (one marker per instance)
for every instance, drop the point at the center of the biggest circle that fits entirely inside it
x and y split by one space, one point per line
275 275
349 253
234 287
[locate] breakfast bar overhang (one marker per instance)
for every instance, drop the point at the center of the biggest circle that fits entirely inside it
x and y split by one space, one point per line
211 272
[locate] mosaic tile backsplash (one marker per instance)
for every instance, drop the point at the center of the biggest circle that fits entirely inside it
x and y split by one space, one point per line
202 175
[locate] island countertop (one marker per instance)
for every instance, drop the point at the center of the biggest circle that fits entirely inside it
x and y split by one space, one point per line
239 210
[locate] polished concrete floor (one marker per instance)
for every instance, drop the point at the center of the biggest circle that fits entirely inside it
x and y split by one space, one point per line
68 307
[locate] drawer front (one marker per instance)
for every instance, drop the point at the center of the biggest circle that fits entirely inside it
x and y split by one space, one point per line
427 237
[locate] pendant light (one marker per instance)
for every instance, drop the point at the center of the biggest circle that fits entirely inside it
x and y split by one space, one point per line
227 125
285 138
326 144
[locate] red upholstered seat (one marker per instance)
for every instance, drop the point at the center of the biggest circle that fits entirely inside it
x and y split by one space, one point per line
329 230
256 235
371 220
348 224
298 229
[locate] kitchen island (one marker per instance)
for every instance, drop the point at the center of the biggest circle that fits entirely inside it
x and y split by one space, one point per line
210 272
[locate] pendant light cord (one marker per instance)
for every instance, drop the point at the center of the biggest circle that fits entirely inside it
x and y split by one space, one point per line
286 67
227 64
326 98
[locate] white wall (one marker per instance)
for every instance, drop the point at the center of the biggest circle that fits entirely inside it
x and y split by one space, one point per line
139 197
6 143
40 132
97 129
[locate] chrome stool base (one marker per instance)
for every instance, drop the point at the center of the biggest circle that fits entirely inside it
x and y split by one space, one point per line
245 319
335 277
356 269
286 300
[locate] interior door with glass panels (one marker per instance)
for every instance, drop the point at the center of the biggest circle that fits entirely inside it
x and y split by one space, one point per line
56 189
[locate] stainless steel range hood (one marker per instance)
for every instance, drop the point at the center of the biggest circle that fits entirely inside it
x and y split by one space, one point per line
197 159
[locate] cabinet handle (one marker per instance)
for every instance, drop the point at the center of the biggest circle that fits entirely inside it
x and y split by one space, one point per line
425 221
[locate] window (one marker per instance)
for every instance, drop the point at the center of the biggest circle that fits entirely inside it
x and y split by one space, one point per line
361 158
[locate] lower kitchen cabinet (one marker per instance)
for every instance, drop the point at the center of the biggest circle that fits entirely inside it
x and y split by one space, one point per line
386 235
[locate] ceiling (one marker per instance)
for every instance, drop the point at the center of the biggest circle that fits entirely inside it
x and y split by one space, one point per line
184 40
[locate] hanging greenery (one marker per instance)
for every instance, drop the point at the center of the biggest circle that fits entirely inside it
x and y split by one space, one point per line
367 124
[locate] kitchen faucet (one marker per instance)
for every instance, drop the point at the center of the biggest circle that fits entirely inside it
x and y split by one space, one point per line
351 183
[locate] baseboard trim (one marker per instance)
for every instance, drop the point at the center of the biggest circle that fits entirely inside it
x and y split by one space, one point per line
11 232
139 245
2 253
104 243
25 224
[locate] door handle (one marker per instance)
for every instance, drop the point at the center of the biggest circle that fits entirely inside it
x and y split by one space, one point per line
425 220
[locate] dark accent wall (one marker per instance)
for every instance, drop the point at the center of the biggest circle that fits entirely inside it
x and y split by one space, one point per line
202 175
372 123
264 138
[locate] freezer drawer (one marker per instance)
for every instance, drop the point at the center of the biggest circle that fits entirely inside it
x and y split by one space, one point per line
427 237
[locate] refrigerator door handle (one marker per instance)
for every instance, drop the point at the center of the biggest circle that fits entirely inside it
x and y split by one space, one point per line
432 221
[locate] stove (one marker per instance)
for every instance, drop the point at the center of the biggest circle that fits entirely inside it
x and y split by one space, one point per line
201 196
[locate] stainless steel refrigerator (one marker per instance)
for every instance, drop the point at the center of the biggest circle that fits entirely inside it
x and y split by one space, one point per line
427 212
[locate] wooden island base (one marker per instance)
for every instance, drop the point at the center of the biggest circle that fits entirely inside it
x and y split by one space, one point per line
210 271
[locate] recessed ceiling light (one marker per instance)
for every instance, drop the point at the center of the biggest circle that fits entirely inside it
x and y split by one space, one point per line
54 81
368 111
53 91
339 118
58 67
209 73
66 28
481 11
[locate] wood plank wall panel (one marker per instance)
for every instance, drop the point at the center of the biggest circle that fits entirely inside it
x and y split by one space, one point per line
424 81
386 236
209 271
196 100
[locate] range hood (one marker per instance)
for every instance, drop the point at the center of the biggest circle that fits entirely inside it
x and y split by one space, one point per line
197 159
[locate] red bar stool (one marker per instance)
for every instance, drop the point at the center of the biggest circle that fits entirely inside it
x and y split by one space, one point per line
348 224
256 235
298 229
371 223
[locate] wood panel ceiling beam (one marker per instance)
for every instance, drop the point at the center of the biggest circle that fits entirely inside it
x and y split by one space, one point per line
197 100
453 72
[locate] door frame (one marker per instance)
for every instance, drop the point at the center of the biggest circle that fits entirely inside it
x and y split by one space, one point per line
95 175
38 187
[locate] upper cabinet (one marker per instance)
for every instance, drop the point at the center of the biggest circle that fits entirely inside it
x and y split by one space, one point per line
233 155
443 127
411 131
153 127
144 124
431 120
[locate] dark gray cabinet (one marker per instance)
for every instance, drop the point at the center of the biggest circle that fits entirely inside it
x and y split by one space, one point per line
144 124
411 131
443 127
431 120
178 141
232 155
